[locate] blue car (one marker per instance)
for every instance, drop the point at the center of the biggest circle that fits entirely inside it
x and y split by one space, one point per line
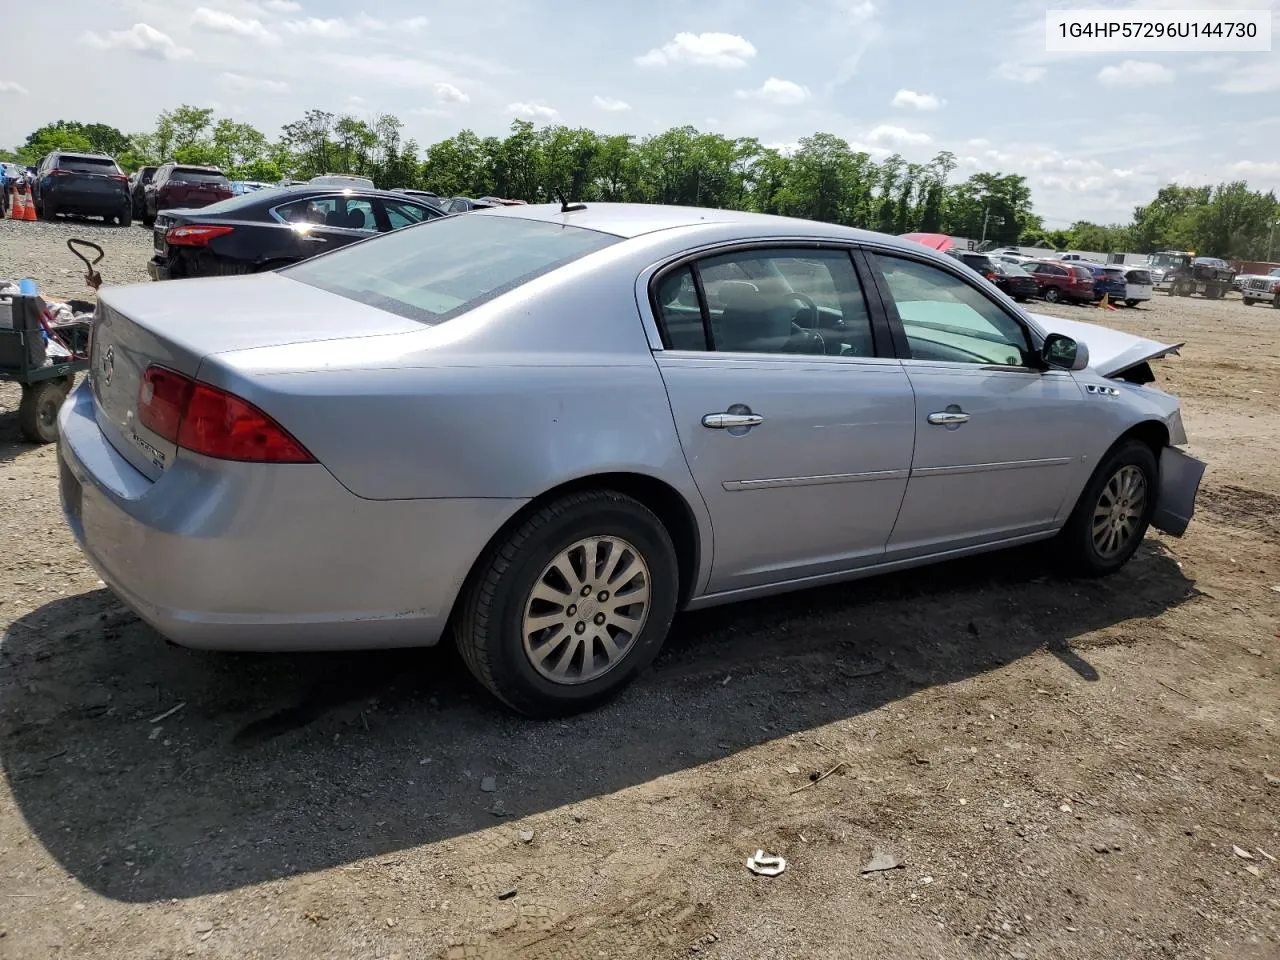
1107 281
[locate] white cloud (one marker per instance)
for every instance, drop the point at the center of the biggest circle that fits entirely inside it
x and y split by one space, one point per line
1212 65
787 148
12 86
142 39
331 29
384 69
366 22
898 136
916 101
1019 72
238 81
1255 168
1135 73
282 6
448 93
533 111
725 50
355 99
429 112
610 104
219 21
782 92
413 24
1257 77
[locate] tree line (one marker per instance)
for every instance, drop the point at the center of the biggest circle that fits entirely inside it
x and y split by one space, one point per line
823 178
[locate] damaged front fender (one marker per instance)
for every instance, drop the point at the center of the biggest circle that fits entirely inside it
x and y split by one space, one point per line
1180 477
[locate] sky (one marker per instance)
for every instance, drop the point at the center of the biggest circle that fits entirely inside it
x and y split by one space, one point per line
1094 133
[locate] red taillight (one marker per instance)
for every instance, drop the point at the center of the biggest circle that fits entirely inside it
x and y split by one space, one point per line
212 422
990 276
120 176
61 173
193 236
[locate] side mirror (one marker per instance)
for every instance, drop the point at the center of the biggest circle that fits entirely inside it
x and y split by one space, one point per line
1064 353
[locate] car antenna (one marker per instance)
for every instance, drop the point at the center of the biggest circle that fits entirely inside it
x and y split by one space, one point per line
566 206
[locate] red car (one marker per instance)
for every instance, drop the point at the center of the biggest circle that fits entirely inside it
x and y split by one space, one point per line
1061 281
183 186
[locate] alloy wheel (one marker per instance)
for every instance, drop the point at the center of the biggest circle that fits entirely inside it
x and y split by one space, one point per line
1119 511
586 609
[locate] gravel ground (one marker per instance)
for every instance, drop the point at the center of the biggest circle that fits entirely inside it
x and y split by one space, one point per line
39 250
1063 769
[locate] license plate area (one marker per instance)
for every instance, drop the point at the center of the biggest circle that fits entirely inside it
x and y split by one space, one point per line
71 490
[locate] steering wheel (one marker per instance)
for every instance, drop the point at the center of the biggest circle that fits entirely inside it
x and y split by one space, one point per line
814 316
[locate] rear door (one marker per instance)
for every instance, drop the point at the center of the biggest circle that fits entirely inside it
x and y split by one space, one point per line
998 439
798 434
402 213
327 221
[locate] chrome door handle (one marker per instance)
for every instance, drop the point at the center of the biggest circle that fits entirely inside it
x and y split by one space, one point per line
948 418
727 421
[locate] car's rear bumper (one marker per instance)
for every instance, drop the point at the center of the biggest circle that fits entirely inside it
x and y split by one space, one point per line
242 556
1137 291
88 201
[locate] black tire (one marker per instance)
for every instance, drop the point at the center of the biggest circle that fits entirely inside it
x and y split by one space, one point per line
47 211
1052 295
1132 303
125 216
1021 298
38 409
1249 301
1079 551
1275 302
488 629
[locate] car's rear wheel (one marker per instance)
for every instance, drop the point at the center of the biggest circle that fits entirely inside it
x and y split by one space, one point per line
571 604
1052 295
1113 513
1132 303
1249 301
125 216
47 211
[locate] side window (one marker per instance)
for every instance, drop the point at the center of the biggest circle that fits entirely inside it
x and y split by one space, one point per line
359 215
343 213
679 315
317 211
404 214
768 301
946 319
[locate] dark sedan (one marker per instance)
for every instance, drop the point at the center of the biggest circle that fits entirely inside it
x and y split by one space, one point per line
267 229
1014 281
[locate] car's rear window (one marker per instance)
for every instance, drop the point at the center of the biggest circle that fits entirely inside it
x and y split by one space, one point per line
447 266
193 175
1011 270
1084 272
103 165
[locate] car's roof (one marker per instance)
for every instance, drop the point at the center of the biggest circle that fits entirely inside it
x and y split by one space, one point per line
335 188
629 220
82 154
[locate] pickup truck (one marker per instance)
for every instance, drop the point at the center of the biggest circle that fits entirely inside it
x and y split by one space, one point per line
1260 288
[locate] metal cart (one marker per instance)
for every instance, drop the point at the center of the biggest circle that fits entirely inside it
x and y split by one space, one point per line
26 357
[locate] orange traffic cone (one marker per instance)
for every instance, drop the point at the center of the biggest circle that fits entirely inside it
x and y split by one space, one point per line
1105 303
15 204
29 207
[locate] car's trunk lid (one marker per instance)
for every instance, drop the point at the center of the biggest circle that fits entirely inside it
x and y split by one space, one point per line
178 324
1111 352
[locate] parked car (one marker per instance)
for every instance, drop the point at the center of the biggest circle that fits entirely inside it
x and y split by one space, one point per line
1015 281
138 181
1137 284
341 180
241 187
90 184
179 186
980 263
1262 289
1059 281
1107 282
426 196
466 204
524 425
267 229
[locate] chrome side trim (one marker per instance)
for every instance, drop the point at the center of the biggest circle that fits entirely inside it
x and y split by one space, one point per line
985 467
733 485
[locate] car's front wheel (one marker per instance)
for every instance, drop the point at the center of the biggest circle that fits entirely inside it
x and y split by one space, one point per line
571 604
1052 295
1113 513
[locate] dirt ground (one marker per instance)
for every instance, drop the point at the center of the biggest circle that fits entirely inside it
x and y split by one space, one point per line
1062 769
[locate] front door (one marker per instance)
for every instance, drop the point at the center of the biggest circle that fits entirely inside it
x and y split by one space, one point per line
799 437
998 438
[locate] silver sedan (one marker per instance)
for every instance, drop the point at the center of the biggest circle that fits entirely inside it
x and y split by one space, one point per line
543 431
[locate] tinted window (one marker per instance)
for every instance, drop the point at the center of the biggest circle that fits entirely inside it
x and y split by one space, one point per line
104 165
193 175
769 301
946 319
340 212
449 265
679 314
1011 270
1083 272
404 214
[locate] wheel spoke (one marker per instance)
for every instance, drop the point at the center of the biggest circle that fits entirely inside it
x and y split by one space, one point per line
616 564
564 566
560 668
610 646
550 595
536 623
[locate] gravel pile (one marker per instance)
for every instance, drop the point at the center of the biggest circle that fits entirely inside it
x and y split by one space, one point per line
39 250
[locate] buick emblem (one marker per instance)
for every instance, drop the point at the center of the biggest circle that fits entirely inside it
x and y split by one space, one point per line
108 366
